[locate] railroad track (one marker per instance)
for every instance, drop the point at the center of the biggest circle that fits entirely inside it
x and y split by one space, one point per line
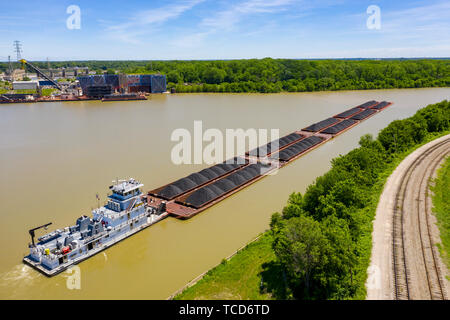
402 260
429 250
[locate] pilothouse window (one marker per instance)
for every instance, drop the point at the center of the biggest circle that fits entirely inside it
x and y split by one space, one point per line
114 206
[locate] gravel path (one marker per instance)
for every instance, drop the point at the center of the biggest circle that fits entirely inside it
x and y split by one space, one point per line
405 263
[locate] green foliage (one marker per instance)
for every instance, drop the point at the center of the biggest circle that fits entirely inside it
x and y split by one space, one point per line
294 206
436 116
323 238
401 135
25 91
174 77
441 208
276 75
47 91
300 246
214 75
336 278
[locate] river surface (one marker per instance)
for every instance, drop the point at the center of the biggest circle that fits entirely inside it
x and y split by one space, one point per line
55 157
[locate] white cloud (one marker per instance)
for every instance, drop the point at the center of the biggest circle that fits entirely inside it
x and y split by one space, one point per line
191 40
229 18
146 21
417 17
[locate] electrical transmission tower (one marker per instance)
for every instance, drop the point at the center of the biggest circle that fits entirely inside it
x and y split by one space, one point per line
18 49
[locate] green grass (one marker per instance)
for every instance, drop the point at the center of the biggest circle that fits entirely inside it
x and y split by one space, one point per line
441 208
48 91
240 277
45 92
25 91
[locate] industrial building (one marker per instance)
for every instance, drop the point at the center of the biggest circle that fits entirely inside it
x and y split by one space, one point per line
25 85
14 75
101 85
66 72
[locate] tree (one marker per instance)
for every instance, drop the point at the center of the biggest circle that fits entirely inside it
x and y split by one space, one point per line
402 134
341 259
300 246
294 206
174 76
214 75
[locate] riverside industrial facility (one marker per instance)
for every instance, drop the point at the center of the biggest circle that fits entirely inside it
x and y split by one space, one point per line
98 86
106 87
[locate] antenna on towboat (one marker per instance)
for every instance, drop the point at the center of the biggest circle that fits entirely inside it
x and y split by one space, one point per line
98 200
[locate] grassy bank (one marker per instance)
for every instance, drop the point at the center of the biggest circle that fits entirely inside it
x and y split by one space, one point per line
240 277
441 208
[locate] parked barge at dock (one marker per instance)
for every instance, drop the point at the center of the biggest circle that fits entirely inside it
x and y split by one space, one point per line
123 97
129 211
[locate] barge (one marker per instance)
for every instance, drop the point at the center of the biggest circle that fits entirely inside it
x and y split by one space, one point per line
128 210
123 97
27 98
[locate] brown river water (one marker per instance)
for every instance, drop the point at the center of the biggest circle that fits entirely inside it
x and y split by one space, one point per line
55 157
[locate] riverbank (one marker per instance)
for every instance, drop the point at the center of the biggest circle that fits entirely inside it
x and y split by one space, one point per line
213 285
229 281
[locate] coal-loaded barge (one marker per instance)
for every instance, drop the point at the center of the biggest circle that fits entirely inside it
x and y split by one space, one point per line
129 211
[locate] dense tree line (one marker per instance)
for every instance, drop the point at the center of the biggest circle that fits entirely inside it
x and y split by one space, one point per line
276 75
323 238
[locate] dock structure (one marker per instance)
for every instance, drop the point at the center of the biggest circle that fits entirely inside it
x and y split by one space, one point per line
199 191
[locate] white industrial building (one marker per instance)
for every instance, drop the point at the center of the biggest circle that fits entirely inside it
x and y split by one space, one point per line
25 85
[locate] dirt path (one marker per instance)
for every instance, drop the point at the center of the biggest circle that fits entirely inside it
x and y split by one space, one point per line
405 263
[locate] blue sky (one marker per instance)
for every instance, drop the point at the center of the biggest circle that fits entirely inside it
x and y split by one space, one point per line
225 29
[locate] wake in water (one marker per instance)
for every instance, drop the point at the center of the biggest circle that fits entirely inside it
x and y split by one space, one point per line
20 272
18 277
